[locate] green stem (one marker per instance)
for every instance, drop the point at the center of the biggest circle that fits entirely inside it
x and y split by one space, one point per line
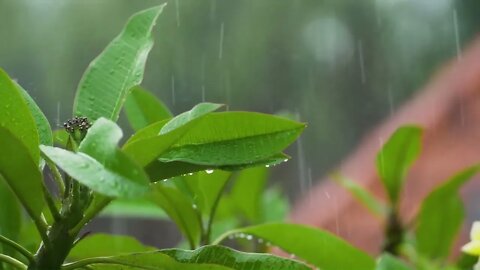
89 215
17 247
103 260
42 228
14 262
207 235
51 205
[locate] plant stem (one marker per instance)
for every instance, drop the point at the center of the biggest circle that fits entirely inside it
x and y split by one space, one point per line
51 205
89 214
17 247
14 262
393 233
207 235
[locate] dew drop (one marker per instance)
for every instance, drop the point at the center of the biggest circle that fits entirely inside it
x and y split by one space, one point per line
267 166
209 171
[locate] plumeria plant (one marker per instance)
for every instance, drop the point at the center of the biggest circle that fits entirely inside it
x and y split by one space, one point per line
205 169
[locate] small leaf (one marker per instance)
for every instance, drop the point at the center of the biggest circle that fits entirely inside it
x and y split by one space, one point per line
441 216
396 157
16 117
224 256
100 165
143 108
364 196
150 147
100 245
60 137
320 248
180 209
388 262
137 208
21 173
247 191
108 79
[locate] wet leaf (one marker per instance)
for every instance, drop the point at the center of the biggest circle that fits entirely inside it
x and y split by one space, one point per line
108 79
320 248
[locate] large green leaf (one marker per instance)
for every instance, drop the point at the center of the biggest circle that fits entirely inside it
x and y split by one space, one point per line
362 195
100 165
396 157
145 148
107 80
232 138
16 117
43 126
143 108
247 190
158 170
180 209
388 262
141 261
10 217
21 173
320 248
219 255
100 245
441 216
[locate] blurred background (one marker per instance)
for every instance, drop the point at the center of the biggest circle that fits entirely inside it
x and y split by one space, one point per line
341 66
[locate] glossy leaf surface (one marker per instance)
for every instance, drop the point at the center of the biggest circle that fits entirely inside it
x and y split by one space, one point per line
108 79
320 248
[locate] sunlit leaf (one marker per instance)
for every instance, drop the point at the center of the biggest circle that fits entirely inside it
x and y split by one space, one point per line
396 157
143 108
317 247
441 216
107 80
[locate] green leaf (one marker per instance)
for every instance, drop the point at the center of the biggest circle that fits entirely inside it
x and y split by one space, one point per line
224 256
388 262
150 147
180 209
441 216
108 79
158 170
21 173
143 108
10 217
247 190
233 138
100 165
205 187
396 157
141 261
16 117
43 126
60 137
195 113
138 208
315 246
364 196
100 245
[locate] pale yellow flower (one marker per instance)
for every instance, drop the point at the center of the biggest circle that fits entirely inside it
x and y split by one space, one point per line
473 247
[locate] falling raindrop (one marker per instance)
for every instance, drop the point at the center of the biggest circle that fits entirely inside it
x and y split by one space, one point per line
457 36
220 50
173 89
57 119
177 12
361 61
